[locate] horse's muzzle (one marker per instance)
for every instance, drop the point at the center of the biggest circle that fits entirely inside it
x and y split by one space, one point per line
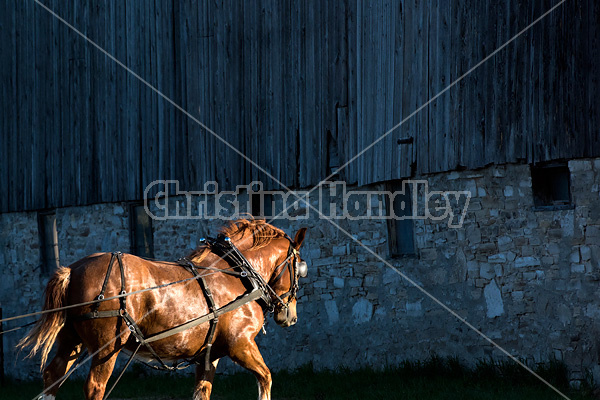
286 316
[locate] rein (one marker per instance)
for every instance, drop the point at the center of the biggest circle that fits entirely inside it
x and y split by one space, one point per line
256 289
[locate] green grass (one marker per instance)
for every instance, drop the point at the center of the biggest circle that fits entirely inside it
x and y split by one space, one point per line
436 378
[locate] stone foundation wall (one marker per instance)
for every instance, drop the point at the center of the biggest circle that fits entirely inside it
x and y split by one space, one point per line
527 279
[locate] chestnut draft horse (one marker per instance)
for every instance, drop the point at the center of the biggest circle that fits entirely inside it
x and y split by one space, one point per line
269 252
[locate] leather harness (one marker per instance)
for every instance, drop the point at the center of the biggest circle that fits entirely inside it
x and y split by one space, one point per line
257 289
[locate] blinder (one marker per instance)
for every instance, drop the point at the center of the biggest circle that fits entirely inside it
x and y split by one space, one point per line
302 268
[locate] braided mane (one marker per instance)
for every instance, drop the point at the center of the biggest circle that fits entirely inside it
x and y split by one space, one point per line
243 232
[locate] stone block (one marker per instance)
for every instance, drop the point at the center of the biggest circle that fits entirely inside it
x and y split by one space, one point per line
487 271
521 241
547 260
314 253
429 254
504 243
333 315
553 249
499 171
118 210
487 248
580 165
521 262
555 233
480 282
497 258
529 276
498 269
340 250
322 284
577 268
474 236
586 253
510 256
472 269
493 300
362 311
354 282
453 176
370 281
526 251
574 257
414 309
517 295
525 183
327 261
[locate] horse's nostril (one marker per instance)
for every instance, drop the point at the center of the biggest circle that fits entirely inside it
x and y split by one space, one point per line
294 320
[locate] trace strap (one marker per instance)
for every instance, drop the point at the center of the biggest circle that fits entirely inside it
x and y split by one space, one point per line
256 289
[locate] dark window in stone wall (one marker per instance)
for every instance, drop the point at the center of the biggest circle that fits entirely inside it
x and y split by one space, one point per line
140 231
401 232
551 187
48 236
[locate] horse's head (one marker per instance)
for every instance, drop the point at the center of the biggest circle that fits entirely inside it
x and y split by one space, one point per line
285 281
280 263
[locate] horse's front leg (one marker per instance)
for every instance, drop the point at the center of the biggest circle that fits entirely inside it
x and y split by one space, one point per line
246 354
204 380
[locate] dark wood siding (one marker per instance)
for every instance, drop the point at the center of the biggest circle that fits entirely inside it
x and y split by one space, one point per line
299 87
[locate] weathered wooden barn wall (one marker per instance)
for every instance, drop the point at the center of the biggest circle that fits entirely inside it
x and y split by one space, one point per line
533 101
299 87
78 129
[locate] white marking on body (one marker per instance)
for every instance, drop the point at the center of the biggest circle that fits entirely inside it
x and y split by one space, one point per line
47 397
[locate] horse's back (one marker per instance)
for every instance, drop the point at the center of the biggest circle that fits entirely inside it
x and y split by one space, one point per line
89 273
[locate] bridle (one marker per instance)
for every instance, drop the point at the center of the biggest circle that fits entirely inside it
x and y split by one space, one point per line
257 290
296 268
224 248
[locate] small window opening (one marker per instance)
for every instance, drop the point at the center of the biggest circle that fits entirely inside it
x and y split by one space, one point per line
48 236
401 233
551 187
140 231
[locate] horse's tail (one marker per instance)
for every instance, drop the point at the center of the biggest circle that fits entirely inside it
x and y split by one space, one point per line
43 335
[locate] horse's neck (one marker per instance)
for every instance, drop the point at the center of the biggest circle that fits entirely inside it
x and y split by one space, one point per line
265 260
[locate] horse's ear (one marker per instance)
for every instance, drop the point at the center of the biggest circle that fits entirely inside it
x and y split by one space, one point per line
299 238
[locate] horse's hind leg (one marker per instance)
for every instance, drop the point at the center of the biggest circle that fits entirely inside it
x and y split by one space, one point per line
204 380
102 366
69 348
